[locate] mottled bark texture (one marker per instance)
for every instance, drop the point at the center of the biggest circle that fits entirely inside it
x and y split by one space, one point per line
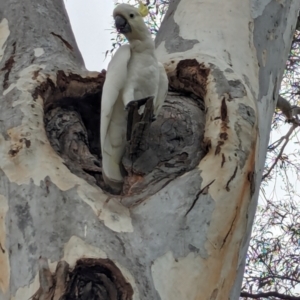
72 118
90 279
157 152
180 229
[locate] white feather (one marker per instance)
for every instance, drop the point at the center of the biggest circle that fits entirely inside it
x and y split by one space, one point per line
133 73
113 117
162 89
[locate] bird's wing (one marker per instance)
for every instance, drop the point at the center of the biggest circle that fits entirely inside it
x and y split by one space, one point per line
114 82
113 115
162 89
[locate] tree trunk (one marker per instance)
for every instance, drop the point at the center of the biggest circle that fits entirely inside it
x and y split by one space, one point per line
181 227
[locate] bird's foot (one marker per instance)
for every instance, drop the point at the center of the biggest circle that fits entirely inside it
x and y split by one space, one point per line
138 103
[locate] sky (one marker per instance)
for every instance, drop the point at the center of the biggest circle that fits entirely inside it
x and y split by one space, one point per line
92 22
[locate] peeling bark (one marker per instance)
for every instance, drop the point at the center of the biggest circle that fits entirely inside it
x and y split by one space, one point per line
8 66
72 118
90 279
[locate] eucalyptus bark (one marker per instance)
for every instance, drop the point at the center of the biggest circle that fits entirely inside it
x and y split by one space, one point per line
180 228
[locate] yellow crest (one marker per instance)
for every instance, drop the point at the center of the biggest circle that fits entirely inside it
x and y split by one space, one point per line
143 9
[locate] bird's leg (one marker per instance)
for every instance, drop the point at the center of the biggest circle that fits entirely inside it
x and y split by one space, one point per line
137 133
133 116
137 103
140 131
131 119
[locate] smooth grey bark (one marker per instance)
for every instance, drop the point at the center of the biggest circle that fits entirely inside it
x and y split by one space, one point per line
151 242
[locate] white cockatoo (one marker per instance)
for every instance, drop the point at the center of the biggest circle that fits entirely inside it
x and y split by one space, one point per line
133 74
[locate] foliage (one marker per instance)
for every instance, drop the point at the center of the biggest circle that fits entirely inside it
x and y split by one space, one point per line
272 264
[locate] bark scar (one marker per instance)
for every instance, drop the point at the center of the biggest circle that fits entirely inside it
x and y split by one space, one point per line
1 248
223 110
251 179
68 45
224 136
8 66
230 179
202 191
218 148
230 229
223 160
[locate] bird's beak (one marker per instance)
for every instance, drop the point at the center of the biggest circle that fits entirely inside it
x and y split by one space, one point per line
122 25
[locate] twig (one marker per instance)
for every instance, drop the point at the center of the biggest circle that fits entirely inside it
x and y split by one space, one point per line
286 138
269 294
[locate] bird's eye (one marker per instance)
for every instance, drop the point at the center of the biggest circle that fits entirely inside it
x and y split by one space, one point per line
131 15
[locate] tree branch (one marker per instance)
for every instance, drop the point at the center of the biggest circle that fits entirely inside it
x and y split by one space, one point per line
274 276
288 110
286 138
269 294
